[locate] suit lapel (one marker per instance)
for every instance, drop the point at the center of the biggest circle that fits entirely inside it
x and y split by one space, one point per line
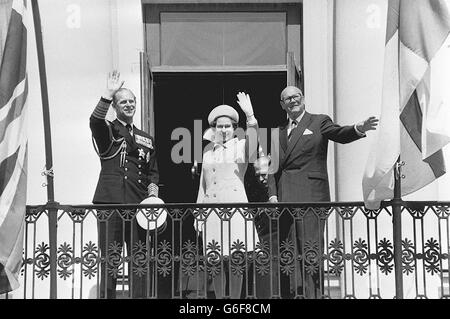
297 134
282 141
283 137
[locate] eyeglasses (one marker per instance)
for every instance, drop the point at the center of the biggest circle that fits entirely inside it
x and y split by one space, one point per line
296 97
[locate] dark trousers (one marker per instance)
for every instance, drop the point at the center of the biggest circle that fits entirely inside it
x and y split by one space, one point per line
296 249
228 284
112 234
251 283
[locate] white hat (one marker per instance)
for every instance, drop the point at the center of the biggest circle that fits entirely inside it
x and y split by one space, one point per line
152 222
223 110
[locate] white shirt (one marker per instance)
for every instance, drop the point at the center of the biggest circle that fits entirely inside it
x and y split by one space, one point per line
291 126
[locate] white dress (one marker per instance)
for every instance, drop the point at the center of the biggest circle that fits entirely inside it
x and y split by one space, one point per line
222 181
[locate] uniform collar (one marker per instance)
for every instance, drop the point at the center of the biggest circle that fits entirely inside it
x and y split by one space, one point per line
124 123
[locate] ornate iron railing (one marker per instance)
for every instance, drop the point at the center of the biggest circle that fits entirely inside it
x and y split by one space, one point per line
352 256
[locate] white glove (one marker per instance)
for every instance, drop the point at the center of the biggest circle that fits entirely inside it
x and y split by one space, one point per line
245 103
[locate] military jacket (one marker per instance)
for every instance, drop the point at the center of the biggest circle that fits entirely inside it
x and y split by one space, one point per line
129 171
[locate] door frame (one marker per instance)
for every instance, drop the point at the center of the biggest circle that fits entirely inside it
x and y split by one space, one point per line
294 77
151 12
256 80
151 58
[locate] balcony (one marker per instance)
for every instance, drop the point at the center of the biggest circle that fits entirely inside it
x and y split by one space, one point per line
360 254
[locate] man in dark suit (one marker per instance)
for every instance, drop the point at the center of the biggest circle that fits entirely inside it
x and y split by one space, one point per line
128 175
301 176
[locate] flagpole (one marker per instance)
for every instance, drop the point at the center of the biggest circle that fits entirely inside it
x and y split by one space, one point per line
397 204
51 204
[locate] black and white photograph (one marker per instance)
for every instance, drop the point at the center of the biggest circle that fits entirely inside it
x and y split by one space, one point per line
230 156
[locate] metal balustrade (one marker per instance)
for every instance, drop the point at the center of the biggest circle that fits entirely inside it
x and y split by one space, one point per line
353 256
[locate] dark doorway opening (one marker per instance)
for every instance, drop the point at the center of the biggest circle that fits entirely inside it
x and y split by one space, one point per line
182 98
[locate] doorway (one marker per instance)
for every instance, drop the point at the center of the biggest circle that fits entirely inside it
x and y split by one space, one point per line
182 98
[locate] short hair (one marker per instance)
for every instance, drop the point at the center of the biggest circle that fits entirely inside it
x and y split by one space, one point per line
120 91
290 86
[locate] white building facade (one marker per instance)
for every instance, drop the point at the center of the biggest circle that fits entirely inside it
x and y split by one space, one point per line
337 44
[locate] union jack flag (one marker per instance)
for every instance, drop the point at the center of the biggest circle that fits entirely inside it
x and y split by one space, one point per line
13 144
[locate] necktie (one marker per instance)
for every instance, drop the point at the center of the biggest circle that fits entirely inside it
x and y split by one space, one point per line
293 126
130 129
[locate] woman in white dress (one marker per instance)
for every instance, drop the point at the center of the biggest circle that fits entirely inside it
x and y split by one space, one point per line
224 165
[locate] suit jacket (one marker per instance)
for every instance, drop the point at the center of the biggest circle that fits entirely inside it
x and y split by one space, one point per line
122 180
302 171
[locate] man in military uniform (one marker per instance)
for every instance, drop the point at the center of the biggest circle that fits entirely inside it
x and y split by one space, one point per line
128 175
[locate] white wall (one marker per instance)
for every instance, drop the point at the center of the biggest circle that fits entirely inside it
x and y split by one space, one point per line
318 65
360 33
83 41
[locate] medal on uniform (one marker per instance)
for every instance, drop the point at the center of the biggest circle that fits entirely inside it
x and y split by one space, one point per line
148 157
144 141
141 153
